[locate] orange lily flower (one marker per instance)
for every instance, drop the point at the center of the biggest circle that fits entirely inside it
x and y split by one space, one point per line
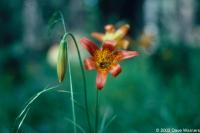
104 59
113 35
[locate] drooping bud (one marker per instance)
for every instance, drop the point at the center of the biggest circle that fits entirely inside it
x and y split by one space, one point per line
62 58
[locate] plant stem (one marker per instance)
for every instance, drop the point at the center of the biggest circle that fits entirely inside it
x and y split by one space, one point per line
71 89
70 75
82 71
63 21
84 82
97 111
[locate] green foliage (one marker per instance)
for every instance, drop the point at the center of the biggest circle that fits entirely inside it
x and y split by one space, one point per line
21 117
55 18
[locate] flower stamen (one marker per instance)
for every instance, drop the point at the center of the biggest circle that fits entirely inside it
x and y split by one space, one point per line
104 59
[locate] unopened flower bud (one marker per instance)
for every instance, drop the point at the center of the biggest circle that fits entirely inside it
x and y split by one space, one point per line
61 62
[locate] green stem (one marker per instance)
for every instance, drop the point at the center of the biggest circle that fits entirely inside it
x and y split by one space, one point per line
63 22
82 70
71 89
70 75
97 111
84 82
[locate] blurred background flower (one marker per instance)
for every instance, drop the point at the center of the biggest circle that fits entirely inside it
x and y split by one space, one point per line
111 34
146 40
52 55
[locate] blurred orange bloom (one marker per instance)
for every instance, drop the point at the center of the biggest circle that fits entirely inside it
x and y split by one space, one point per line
105 59
146 40
112 34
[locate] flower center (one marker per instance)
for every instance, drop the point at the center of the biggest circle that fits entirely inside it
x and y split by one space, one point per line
104 59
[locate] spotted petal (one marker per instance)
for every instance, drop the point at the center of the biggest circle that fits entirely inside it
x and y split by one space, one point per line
89 64
115 70
101 79
110 45
121 55
89 45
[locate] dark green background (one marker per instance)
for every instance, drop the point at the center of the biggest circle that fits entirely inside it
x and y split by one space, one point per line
152 91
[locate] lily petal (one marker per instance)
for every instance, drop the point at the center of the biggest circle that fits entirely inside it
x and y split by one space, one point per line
122 31
121 55
123 44
115 70
98 36
110 28
89 45
110 45
101 80
89 64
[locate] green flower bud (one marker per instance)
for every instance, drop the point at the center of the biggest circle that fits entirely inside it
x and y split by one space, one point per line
61 62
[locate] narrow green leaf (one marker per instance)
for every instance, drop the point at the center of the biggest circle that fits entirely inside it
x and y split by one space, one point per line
55 18
75 124
25 110
22 120
110 121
